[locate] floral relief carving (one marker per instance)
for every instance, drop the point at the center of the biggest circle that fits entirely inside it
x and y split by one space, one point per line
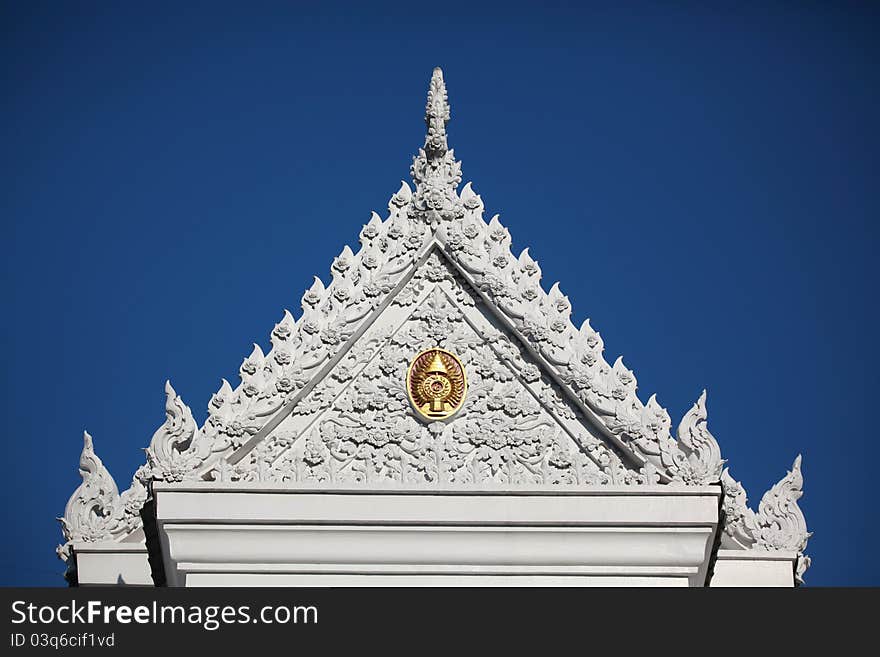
503 435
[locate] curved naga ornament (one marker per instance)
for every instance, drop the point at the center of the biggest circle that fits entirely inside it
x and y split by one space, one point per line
696 457
177 448
96 511
436 384
779 524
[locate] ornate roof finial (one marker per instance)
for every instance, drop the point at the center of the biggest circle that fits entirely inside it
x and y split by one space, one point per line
435 172
437 115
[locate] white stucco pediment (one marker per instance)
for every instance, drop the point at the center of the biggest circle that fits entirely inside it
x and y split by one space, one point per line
326 405
356 424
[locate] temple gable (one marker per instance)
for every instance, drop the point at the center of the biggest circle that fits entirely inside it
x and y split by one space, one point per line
358 425
511 398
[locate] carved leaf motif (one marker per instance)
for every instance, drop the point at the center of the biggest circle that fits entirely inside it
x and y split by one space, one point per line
176 448
739 520
702 461
780 521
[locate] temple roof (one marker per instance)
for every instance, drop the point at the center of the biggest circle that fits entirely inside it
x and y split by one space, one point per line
329 392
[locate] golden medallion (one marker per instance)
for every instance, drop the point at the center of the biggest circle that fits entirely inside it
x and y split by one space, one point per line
436 384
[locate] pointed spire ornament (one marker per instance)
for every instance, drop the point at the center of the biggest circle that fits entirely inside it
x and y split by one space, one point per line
437 115
435 171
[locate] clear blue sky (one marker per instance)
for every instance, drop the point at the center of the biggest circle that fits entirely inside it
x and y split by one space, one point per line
703 182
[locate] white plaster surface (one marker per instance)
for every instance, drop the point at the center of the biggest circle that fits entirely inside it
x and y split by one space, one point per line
112 563
754 568
661 535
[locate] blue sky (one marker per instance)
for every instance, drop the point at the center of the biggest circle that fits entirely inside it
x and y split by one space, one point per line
702 181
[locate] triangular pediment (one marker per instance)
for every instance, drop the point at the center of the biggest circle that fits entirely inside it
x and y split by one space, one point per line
436 225
328 404
357 425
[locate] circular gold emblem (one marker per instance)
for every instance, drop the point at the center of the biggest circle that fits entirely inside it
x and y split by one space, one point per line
436 384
